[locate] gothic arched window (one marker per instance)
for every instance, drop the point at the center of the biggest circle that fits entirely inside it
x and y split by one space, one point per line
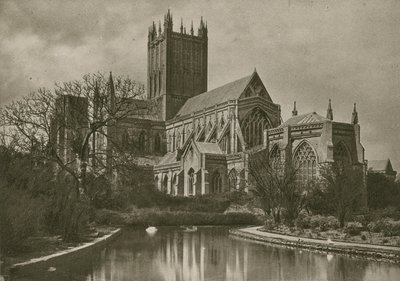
125 139
164 186
341 154
305 162
159 82
170 144
232 180
190 181
174 185
226 143
157 143
178 140
275 158
253 126
142 141
216 183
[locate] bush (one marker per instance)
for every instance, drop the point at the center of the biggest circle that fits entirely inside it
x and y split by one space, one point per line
388 227
317 222
167 218
303 221
21 216
353 228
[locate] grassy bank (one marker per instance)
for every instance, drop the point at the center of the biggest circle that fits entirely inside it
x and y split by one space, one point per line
145 217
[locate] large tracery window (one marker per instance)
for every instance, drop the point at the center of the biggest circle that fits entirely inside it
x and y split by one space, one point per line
253 127
306 163
341 154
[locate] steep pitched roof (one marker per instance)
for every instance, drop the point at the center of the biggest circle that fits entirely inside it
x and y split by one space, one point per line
380 165
168 158
308 118
230 91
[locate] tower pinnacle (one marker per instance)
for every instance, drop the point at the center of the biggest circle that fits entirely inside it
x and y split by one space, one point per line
329 112
294 111
354 116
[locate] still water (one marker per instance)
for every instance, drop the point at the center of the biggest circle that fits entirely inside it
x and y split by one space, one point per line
208 254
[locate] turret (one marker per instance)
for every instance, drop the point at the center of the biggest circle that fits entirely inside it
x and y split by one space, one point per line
111 90
168 21
354 116
152 32
294 111
181 25
202 29
329 112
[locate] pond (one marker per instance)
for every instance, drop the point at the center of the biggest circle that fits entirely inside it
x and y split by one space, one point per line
208 254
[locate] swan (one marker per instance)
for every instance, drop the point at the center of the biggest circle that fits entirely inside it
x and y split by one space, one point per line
151 229
330 242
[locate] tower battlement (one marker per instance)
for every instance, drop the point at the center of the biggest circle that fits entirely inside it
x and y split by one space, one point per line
177 64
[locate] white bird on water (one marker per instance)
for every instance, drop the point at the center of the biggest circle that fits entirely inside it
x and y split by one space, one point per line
330 242
151 229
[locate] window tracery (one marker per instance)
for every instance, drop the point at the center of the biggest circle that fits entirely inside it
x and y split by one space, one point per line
253 127
306 163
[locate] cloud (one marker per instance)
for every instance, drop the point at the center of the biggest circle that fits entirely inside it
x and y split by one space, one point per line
304 50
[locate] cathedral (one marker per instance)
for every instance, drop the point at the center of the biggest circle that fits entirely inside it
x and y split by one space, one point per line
200 141
210 135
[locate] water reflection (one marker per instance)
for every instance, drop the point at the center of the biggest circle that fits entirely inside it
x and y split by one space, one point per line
209 254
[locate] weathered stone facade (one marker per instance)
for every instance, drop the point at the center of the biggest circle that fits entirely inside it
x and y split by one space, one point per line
201 140
211 136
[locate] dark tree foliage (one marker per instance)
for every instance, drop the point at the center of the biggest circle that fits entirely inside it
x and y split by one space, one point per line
382 192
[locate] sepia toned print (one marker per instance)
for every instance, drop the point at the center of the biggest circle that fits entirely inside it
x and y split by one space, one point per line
199 140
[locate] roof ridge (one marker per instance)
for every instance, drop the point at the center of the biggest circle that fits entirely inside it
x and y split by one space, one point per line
223 93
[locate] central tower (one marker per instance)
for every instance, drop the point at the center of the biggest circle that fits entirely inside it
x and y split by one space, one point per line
176 65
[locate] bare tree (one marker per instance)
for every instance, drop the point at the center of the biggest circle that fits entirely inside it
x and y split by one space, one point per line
35 123
275 186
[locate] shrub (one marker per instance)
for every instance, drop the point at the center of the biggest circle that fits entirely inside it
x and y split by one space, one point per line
388 227
21 216
303 221
151 217
353 228
321 222
324 223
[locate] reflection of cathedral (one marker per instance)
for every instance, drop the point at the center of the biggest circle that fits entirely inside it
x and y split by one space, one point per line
209 254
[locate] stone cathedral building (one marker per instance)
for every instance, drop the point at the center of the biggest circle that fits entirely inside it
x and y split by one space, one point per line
210 135
201 139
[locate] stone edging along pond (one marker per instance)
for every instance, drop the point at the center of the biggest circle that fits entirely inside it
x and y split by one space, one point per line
365 252
64 255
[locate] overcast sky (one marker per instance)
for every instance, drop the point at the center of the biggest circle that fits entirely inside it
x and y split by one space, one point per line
304 50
